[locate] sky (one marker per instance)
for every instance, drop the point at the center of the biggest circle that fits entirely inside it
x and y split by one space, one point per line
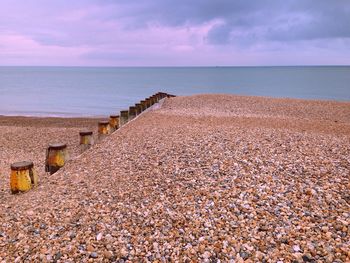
174 32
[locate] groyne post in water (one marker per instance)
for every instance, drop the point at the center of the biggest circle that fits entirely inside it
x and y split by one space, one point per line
23 177
86 140
124 117
113 122
56 157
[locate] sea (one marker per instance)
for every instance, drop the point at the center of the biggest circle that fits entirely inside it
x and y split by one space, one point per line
101 91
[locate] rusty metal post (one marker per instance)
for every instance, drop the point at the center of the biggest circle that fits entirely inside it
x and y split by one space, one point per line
103 129
138 107
56 157
124 117
132 113
23 177
113 122
86 140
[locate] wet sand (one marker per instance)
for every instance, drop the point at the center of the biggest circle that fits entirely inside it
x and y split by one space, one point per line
203 178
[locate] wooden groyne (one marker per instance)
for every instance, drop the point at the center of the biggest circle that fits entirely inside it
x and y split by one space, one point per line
23 177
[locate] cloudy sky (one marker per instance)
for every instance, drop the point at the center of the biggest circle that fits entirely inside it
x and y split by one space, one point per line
174 33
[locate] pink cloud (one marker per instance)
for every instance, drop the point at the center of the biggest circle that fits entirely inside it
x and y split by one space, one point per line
151 33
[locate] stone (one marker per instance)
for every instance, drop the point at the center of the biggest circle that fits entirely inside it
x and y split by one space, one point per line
99 236
240 177
108 254
296 248
90 248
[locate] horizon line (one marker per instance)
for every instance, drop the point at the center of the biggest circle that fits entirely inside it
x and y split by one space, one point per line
193 66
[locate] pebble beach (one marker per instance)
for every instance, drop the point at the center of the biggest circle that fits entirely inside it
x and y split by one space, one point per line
204 178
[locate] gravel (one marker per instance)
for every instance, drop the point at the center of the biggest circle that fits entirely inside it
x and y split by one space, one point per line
203 178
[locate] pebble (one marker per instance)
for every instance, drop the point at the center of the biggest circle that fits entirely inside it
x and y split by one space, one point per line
108 254
296 248
90 248
307 258
208 177
99 236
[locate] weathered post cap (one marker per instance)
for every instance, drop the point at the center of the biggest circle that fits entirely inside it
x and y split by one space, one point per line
114 116
124 112
57 146
83 133
132 110
103 122
25 165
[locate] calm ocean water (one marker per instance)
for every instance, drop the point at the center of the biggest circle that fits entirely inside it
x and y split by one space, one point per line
90 91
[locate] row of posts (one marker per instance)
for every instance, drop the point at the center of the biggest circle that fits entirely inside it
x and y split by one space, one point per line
23 176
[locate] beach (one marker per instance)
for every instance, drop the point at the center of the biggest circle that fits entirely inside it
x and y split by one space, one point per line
27 138
200 179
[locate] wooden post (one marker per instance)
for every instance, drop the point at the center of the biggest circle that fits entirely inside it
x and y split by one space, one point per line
23 177
132 113
138 107
144 104
156 97
113 122
123 119
148 102
103 129
153 100
56 157
86 140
